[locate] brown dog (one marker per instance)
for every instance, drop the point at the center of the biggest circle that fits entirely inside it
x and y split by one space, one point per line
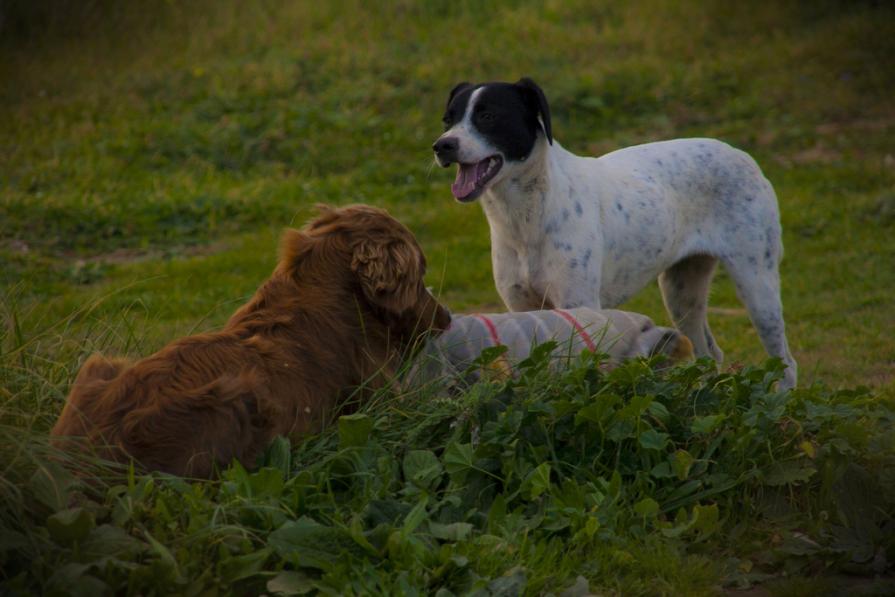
346 299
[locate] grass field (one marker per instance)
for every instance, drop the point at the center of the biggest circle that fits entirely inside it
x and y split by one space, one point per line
151 154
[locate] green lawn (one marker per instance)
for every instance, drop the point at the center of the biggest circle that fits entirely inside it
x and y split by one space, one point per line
160 151
151 154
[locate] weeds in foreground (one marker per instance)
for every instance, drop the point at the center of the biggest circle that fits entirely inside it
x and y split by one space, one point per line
633 481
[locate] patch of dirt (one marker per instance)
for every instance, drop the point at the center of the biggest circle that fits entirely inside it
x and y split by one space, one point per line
817 155
122 256
866 124
830 586
18 246
883 376
732 312
482 308
821 153
756 591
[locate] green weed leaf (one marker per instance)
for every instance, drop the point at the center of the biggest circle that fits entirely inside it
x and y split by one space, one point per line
647 507
167 561
111 541
279 455
538 481
458 459
788 472
422 468
243 566
291 582
706 519
707 423
457 531
68 526
415 517
308 544
52 485
354 430
681 461
653 440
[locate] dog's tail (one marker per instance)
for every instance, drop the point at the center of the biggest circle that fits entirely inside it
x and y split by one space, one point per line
673 344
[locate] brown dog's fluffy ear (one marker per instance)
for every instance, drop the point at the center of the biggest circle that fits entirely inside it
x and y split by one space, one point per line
382 257
389 271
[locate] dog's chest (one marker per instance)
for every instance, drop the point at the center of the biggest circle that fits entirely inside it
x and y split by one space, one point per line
530 263
572 250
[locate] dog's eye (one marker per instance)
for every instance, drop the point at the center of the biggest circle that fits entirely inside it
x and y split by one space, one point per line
486 116
446 121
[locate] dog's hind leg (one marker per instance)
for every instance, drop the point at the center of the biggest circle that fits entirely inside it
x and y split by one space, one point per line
759 289
685 290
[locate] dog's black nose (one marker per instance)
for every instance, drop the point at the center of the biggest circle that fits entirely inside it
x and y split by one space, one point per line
446 148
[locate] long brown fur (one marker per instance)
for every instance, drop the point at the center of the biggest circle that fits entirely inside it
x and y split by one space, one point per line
346 299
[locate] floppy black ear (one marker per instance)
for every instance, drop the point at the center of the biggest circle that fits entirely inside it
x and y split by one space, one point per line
534 94
457 89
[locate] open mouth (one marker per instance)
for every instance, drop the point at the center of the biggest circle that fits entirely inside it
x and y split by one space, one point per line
472 178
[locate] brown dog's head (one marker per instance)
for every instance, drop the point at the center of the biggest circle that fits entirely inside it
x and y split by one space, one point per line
382 260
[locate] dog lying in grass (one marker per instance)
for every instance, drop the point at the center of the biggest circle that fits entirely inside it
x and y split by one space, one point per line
619 334
345 301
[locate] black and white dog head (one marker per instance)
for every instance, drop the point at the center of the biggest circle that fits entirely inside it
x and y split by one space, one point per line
490 128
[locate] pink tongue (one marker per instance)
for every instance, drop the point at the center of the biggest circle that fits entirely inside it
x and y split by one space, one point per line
467 175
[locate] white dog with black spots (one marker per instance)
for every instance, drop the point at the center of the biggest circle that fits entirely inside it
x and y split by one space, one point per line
570 231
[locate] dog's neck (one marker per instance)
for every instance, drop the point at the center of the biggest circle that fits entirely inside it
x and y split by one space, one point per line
527 196
528 177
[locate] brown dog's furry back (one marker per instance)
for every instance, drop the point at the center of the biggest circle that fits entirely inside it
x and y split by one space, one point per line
345 301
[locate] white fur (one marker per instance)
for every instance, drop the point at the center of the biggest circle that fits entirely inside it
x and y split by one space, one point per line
570 231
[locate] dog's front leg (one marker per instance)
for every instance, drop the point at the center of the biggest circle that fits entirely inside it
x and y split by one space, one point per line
583 295
518 296
512 280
